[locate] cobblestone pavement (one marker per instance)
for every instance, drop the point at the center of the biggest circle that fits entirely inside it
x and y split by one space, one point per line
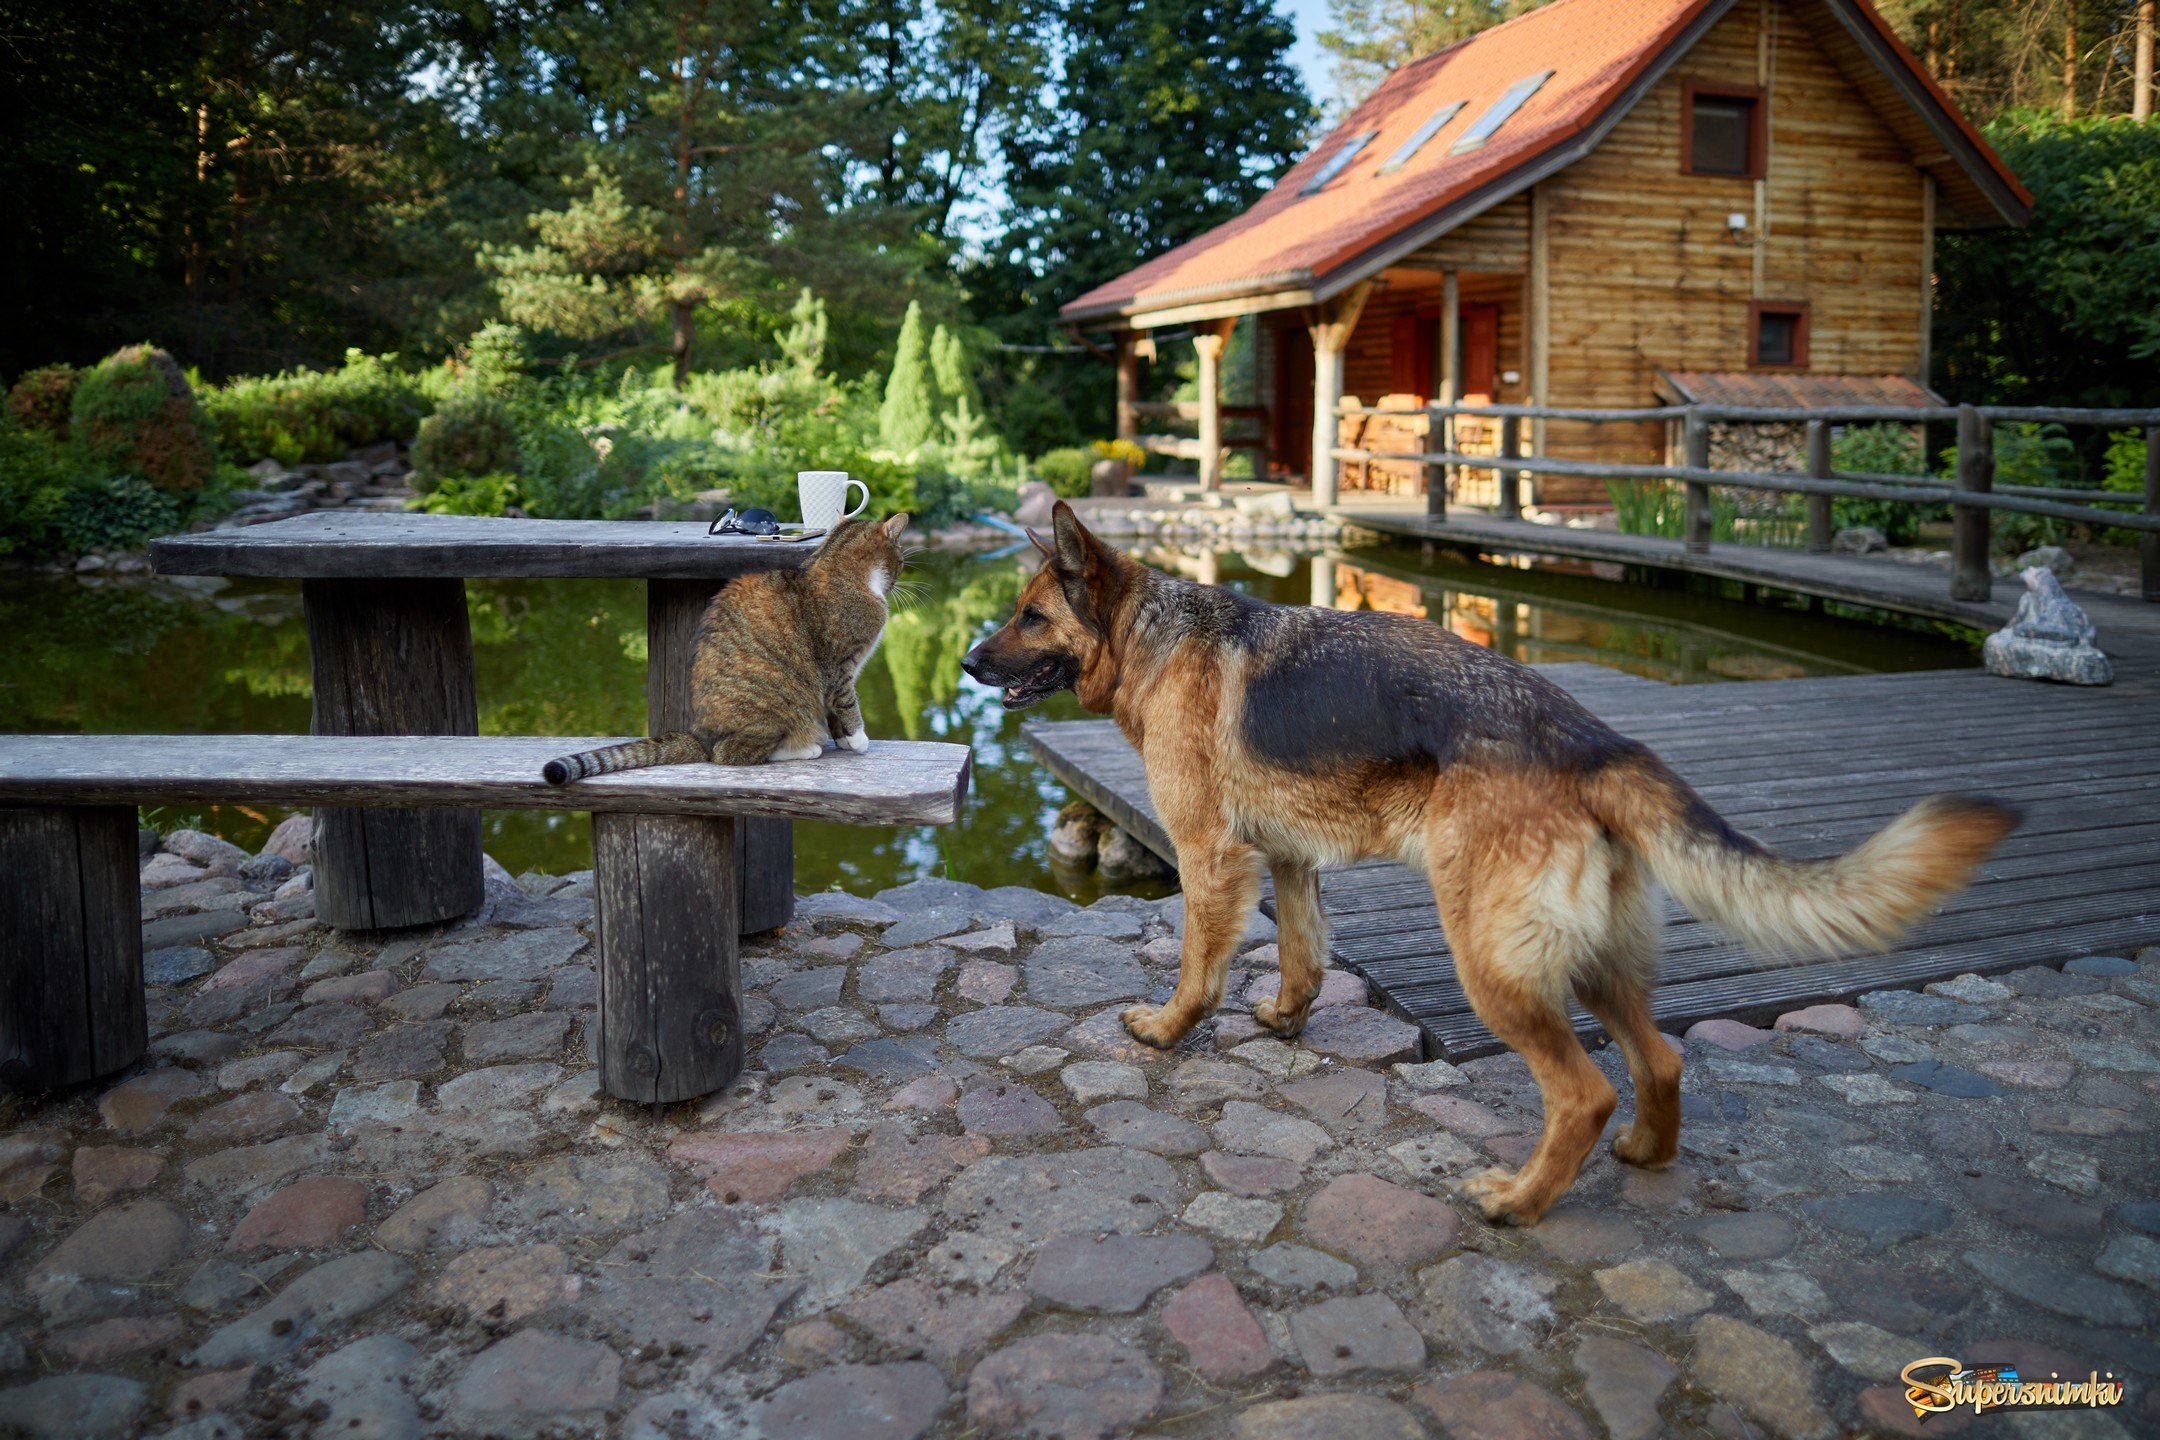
363 1187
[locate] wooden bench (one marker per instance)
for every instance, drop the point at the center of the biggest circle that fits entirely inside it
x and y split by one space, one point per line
664 860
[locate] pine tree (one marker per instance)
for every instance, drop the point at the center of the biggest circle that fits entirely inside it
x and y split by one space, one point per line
908 420
802 348
955 371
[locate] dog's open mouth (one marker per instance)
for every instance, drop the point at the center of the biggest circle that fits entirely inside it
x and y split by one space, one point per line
1038 684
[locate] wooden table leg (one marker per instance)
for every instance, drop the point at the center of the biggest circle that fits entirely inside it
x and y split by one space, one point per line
670 995
393 657
765 849
71 985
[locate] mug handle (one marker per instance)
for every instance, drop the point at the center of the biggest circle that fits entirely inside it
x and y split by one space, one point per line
851 514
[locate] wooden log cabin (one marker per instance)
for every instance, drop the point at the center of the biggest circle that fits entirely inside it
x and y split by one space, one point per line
1608 203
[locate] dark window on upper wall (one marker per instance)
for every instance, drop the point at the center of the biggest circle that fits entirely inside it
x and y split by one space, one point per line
1722 131
1777 334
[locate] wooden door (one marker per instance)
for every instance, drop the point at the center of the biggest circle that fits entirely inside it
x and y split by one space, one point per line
1292 412
1481 353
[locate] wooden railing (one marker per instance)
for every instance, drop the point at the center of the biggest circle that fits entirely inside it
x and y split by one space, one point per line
1187 447
1972 496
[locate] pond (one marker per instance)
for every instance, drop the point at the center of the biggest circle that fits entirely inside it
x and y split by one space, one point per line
568 658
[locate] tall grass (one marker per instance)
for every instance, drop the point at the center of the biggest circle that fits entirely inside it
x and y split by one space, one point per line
1659 507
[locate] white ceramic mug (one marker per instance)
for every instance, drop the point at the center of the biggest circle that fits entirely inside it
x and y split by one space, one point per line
824 496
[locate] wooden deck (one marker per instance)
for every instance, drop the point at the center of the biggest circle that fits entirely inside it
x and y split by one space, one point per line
1810 767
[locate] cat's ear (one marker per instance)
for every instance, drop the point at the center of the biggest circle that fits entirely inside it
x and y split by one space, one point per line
895 525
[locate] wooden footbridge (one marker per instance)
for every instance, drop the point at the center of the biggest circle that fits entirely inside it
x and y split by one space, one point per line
1810 766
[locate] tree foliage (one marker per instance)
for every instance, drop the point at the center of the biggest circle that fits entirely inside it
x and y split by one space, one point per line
1366 39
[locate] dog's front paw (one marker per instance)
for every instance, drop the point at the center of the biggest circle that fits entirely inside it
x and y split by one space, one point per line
1284 1023
1498 1194
856 740
1153 1025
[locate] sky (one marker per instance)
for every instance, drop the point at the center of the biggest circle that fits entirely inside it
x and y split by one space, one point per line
1311 17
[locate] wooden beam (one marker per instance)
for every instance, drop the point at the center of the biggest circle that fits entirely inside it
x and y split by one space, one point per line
1288 299
1128 385
1208 342
1331 327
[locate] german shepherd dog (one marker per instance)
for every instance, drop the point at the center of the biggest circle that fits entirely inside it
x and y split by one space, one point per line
1296 738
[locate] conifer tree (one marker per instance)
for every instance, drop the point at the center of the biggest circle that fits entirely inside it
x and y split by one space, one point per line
955 371
908 420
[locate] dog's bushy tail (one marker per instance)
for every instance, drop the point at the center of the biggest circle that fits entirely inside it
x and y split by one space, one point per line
1860 901
676 749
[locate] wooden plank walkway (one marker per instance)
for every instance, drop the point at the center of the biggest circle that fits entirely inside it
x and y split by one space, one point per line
1810 767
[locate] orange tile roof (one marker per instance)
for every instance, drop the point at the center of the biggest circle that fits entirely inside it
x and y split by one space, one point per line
1595 48
1721 387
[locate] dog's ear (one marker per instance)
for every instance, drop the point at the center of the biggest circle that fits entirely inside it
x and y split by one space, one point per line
1088 570
1038 543
1075 546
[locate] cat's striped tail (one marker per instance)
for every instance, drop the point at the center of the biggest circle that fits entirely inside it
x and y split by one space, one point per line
676 749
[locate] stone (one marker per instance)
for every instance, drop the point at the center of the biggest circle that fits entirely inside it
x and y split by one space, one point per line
1128 1122
1431 1075
929 1093
830 1245
917 1318
1341 1416
700 1283
1356 1332
317 1303
588 1195
1859 540
1222 1340
201 848
102 1171
1474 1301
934 923
1297 1267
1372 1222
1904 1007
1114 1274
496 1087
1868 1089
360 1389
1247 1221
2133 1258
1083 972
1580 1233
1624 1383
1879 1217
904 1168
1762 1375
1337 987
535 1381
2135 1059
310 1214
396 1103
1745 1235
1651 1291
1778 1292
1839 1020
853 1402
1252 1129
1945 1079
128 1244
74 1407
245 1117
2030 1074
1251 1174
1342 1100
108 1340
2064 1291
140 1104
535 1034
902 975
838 1025
1198 1083
1494 1405
1867 1350
1729 1034
1073 1386
2048 638
1097 921
511 955
893 1058
907 1018
1031 1198
809 1344
324 1027
1007 1109
1000 1030
970 1259
215 1391
1464 1117
506 1284
1090 1081
836 908
1362 1036
446 1215
997 940
176 965
986 982
758 1168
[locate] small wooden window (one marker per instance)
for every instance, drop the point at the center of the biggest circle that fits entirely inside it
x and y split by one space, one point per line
1722 131
1778 335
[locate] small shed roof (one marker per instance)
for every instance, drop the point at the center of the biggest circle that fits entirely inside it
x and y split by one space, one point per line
1727 387
1335 219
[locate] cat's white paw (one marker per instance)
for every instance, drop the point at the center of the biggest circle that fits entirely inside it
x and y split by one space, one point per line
808 750
856 740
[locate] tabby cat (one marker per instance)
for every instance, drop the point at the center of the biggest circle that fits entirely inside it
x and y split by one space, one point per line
772 671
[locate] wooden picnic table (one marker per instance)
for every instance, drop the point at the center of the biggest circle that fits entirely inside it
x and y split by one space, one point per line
391 651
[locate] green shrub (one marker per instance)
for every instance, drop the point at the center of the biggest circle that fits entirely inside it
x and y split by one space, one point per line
133 414
497 354
305 415
1068 471
117 513
35 479
472 434
490 494
41 398
2028 454
1881 450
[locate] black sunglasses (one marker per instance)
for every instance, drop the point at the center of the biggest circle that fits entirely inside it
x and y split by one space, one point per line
752 521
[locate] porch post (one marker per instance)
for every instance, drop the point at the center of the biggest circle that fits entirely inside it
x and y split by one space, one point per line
1128 386
1331 326
1450 337
1208 340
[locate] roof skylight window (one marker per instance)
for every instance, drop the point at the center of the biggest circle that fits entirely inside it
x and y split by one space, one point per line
1482 130
1337 161
1409 148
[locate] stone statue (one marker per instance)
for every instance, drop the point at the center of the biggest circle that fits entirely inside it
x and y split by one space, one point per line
2048 639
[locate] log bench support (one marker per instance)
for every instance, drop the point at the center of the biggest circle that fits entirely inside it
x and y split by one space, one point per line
71 987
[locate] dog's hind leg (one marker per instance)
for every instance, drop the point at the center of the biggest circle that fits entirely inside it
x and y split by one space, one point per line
1301 939
1617 991
1221 888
